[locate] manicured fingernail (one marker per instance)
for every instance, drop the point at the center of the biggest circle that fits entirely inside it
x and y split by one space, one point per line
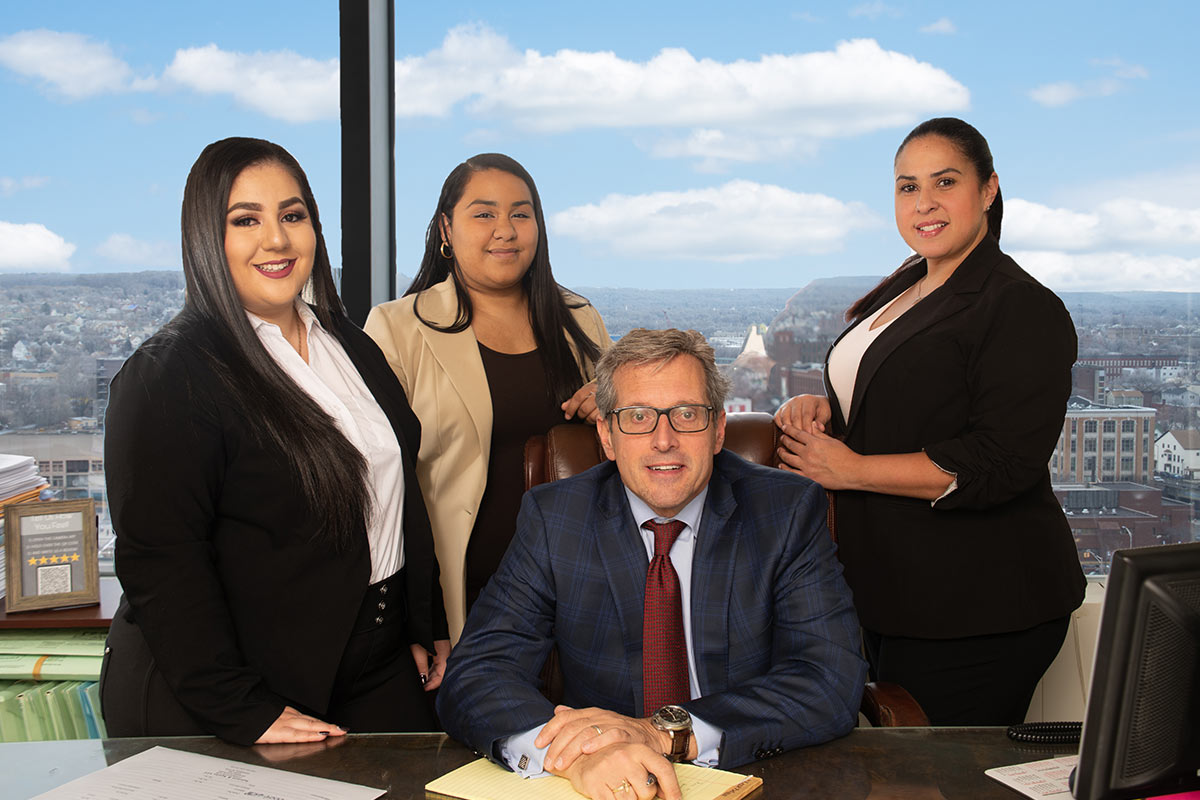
558 764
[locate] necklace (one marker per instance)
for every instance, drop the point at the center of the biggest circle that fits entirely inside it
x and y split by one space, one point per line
921 286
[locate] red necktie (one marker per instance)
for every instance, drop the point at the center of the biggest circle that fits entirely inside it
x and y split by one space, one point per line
664 652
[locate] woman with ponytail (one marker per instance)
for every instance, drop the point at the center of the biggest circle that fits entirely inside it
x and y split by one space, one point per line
945 398
492 351
272 541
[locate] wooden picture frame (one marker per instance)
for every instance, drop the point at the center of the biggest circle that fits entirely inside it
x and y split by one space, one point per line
52 560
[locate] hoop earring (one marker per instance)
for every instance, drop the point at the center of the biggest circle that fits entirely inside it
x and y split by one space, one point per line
446 251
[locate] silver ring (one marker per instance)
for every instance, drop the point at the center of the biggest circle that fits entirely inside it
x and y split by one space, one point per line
596 728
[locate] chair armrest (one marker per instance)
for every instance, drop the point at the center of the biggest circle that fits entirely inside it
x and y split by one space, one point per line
888 705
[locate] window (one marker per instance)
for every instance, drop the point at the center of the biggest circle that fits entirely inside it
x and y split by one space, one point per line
1128 426
82 281
1127 445
1110 426
1089 426
1089 445
1110 445
1108 464
1126 467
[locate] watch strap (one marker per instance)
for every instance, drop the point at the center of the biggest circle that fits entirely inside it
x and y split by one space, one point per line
680 742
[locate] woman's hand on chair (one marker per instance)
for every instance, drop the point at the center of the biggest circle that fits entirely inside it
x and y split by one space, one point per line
582 404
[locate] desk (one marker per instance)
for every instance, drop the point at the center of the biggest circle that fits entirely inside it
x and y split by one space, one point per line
79 617
911 763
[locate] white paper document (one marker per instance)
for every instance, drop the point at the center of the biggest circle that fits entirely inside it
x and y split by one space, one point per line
164 774
1046 780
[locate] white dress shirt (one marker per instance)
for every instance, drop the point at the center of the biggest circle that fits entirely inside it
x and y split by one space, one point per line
518 751
331 379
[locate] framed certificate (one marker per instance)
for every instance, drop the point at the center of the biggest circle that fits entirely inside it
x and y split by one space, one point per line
52 561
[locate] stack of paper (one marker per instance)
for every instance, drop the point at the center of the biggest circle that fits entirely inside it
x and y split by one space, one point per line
19 483
36 711
49 689
52 654
19 479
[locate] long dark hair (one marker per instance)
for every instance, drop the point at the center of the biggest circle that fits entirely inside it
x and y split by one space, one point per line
549 313
974 147
330 470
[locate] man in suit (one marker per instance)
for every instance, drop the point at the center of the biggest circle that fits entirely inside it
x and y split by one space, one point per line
765 657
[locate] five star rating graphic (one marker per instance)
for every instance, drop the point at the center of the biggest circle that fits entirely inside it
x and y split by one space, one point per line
63 559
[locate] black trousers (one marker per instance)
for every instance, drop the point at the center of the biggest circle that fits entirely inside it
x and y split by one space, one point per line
377 688
976 680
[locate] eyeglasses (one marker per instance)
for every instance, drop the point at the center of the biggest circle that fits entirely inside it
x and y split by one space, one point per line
637 420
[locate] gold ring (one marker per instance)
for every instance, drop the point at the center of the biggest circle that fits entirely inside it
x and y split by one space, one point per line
596 728
623 787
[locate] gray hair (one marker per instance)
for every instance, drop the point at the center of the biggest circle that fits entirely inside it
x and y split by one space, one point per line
643 346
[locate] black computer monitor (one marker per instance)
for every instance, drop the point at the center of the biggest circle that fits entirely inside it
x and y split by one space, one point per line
1141 733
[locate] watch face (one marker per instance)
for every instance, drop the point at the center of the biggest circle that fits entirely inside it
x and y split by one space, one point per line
673 717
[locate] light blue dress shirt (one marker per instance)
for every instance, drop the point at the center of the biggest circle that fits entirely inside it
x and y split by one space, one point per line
518 751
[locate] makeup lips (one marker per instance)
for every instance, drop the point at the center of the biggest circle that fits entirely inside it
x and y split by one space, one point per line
276 269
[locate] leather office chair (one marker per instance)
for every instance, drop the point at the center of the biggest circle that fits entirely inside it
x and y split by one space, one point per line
570 448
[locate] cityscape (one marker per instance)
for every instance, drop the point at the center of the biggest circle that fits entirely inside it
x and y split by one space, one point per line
1126 468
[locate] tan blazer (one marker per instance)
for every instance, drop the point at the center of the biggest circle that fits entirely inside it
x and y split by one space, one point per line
443 377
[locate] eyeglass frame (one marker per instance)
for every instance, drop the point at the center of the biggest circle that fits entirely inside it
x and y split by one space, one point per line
659 413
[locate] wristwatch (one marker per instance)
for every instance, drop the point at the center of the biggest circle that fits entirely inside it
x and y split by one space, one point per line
676 722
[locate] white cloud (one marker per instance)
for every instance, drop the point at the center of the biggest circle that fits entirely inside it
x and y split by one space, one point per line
1110 271
733 109
716 148
735 222
10 186
1060 93
1035 225
1121 244
1121 222
32 247
280 84
71 65
942 26
466 64
123 249
1121 69
873 10
1056 94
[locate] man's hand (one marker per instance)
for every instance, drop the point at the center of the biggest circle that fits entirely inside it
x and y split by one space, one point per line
623 772
573 732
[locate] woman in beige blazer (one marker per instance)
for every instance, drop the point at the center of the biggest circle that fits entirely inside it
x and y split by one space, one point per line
490 350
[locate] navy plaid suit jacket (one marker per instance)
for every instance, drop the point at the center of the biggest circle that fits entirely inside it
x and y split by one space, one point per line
775 634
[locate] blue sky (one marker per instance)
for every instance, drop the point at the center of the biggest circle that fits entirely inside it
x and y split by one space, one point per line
674 144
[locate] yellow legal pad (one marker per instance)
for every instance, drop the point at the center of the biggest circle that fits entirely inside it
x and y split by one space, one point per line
483 780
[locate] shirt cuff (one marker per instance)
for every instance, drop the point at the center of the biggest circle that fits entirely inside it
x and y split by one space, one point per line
949 489
708 742
522 757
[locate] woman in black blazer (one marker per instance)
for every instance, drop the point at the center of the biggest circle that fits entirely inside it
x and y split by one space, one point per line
272 541
946 397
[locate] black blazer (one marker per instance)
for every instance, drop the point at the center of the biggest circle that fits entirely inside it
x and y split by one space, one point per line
977 375
243 607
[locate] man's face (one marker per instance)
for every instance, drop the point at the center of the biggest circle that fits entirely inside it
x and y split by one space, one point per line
665 468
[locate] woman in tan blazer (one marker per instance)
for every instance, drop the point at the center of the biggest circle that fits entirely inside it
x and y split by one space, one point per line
490 350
